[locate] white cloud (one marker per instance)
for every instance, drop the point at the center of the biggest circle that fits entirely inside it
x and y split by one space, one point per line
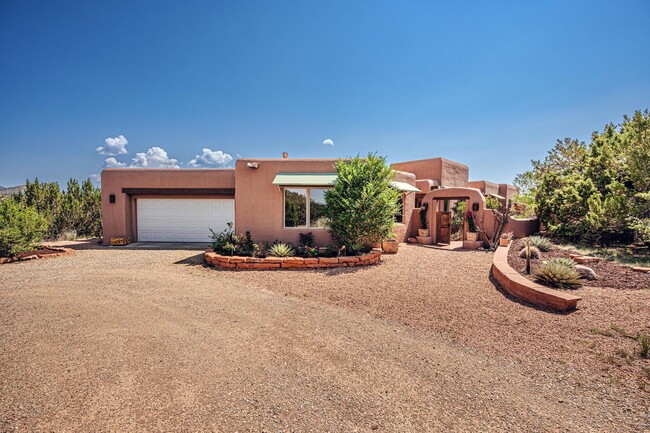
95 178
155 157
328 141
210 158
112 163
114 146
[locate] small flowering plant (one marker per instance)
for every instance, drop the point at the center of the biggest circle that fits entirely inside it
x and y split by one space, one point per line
309 251
471 224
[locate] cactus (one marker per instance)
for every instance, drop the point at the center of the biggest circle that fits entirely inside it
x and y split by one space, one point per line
282 250
534 252
540 242
556 273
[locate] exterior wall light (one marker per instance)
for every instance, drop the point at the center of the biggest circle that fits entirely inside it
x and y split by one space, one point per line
111 198
253 164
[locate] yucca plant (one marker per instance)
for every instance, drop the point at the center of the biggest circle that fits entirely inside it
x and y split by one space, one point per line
534 252
540 242
281 250
556 273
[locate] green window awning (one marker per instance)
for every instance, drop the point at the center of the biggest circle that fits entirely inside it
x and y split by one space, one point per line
404 187
325 179
305 179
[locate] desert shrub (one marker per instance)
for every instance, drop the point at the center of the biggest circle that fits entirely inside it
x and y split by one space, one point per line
534 252
229 243
67 235
507 235
21 228
362 204
644 345
281 250
306 239
540 242
557 274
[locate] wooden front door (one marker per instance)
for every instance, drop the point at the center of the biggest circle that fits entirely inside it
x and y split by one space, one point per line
443 230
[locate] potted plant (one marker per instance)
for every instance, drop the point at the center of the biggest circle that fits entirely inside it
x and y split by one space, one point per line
423 231
390 246
505 239
472 233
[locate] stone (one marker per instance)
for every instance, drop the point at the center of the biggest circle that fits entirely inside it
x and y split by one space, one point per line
585 259
641 269
586 272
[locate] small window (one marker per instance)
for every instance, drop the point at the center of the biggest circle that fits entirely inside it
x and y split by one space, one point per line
295 207
400 209
317 207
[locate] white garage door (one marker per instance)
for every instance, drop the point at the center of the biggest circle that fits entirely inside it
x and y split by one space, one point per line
183 220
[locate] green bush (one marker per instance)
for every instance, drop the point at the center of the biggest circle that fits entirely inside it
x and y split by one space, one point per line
534 252
21 228
361 206
229 243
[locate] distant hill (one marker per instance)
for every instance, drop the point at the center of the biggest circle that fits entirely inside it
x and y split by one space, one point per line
11 189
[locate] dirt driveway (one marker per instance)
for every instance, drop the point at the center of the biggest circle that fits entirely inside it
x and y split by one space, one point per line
145 340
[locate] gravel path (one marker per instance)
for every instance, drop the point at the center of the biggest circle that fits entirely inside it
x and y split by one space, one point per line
133 340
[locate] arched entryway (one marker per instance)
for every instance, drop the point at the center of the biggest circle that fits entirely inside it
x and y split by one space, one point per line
440 218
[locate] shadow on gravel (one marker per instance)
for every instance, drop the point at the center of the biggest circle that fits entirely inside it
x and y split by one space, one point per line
194 260
508 296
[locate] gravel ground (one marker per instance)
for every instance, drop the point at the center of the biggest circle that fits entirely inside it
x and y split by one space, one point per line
145 340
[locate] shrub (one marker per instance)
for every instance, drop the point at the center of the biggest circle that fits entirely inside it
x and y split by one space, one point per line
507 235
282 250
644 345
471 223
21 228
306 239
540 242
423 216
362 204
67 235
555 273
534 252
227 242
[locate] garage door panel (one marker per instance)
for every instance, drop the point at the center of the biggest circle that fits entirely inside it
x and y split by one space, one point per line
182 220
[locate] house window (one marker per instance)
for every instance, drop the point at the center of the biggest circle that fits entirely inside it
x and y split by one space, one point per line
400 209
296 211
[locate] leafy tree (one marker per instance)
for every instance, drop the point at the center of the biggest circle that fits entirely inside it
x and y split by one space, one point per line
597 192
21 227
361 205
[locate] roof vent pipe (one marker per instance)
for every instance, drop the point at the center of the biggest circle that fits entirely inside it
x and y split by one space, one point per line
285 155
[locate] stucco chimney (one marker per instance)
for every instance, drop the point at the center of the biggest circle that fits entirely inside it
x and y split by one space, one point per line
285 155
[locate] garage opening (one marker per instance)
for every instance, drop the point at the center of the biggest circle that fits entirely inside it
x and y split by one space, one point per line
182 220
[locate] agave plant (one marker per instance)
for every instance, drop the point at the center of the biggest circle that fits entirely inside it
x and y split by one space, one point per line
540 242
568 262
534 252
281 250
556 273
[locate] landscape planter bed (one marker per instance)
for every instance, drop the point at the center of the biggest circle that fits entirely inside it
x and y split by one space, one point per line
270 263
43 252
521 287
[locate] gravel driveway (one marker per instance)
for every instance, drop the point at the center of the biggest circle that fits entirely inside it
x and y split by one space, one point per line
146 340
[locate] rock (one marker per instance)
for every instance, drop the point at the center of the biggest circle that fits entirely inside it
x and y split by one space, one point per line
32 257
585 259
586 272
641 269
4 260
412 241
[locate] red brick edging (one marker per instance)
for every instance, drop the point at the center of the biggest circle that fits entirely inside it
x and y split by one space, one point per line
521 287
237 262
61 251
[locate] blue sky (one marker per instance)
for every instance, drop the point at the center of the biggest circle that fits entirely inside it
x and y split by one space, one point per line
488 84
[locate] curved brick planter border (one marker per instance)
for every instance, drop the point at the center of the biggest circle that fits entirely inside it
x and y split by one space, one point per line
61 251
521 287
235 262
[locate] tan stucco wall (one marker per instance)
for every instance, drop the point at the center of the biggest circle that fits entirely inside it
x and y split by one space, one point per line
485 186
447 173
259 203
118 219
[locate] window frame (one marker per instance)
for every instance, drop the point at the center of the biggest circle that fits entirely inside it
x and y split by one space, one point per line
307 206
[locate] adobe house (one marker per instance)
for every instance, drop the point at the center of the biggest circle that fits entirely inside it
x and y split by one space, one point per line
271 198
